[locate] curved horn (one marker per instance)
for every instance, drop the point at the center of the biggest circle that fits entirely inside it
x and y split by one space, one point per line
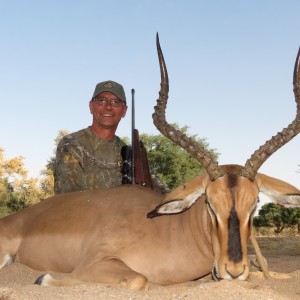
281 138
177 137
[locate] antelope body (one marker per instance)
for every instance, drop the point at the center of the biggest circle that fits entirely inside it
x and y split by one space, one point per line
131 235
81 233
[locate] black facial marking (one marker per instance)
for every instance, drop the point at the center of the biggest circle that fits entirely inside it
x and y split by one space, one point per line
234 238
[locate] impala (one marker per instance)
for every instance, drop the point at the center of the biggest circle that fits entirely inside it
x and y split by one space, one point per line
131 235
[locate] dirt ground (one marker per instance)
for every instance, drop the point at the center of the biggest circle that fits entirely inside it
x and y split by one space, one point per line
283 256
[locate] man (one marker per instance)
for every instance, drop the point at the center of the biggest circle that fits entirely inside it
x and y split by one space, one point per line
91 158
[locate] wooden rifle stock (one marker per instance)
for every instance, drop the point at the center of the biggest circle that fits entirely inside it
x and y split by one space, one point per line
135 169
141 165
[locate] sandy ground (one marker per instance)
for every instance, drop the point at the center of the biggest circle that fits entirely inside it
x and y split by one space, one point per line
283 256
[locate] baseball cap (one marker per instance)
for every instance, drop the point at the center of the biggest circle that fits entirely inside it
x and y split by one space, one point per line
110 86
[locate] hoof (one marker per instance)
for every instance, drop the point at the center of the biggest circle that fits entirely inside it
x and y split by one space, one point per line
215 276
43 280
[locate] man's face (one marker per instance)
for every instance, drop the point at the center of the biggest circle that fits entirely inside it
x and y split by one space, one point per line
105 114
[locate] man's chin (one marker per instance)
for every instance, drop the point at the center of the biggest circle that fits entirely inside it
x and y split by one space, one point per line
107 126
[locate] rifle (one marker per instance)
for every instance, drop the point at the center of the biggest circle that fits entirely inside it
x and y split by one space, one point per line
135 168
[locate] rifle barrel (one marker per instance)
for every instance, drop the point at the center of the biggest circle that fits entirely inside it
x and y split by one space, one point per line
132 133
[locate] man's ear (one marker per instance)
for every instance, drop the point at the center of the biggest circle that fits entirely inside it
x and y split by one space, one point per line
91 106
125 107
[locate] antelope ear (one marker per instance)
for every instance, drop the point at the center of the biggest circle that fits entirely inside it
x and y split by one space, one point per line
182 198
278 191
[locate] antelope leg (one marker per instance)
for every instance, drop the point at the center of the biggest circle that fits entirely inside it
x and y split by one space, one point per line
111 270
260 258
108 270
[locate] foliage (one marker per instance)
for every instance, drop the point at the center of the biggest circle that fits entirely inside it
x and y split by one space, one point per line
169 162
17 190
47 180
272 214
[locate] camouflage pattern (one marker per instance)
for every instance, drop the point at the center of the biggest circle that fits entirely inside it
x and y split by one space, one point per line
86 162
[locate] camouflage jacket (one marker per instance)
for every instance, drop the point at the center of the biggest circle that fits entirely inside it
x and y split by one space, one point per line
86 162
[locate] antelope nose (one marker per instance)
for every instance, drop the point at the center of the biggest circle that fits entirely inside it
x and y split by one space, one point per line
234 271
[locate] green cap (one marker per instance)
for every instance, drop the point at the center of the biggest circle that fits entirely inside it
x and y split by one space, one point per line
110 86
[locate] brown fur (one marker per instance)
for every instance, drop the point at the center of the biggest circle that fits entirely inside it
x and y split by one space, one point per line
105 236
231 200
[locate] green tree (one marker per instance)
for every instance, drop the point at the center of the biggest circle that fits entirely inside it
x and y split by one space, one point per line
169 162
17 189
274 215
47 180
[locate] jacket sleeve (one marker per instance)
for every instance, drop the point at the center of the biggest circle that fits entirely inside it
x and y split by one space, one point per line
69 173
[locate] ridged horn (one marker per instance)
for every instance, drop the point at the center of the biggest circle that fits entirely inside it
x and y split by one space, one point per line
281 138
176 136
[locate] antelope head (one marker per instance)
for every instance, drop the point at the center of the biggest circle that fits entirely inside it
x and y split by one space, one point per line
230 191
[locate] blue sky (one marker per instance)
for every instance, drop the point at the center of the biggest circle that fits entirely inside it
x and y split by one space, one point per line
230 65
